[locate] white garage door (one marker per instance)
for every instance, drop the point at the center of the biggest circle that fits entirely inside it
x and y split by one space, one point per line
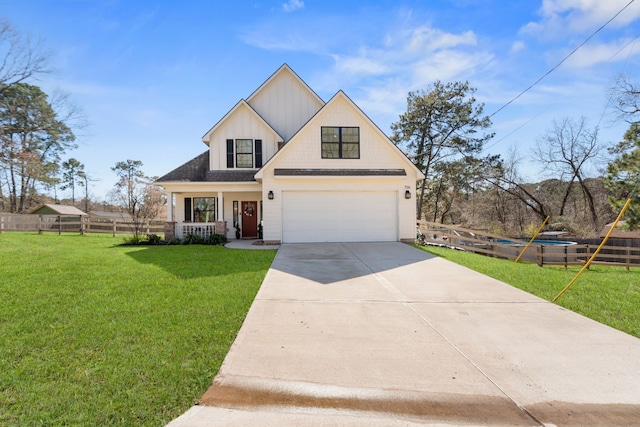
332 216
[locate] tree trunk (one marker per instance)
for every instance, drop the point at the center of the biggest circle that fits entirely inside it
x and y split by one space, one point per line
590 202
566 195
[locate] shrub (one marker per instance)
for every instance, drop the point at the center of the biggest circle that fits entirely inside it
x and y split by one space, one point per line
134 239
215 239
192 239
154 239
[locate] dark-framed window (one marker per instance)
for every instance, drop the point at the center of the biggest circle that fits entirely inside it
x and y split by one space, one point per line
235 213
258 145
244 153
200 209
340 142
230 156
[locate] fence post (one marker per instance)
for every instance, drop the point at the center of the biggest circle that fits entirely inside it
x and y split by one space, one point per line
39 224
540 255
113 222
566 256
59 225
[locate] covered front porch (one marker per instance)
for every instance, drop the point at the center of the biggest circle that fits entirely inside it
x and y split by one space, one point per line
234 214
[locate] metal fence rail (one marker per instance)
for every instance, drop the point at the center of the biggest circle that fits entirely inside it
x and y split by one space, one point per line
540 253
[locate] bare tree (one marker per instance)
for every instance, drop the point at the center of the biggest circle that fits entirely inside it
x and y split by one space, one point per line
566 151
20 57
136 194
506 177
625 98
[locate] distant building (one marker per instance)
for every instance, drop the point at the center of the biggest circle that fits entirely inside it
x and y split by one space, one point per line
619 232
52 209
111 216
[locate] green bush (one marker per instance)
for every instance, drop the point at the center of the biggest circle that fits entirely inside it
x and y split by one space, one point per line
134 239
215 239
154 239
192 239
212 239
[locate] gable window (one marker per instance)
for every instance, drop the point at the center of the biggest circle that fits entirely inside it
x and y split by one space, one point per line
244 153
340 142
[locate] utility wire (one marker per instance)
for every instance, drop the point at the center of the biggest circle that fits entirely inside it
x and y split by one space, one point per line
563 60
625 65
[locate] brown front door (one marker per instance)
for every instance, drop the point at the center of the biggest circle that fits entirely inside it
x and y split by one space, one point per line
249 220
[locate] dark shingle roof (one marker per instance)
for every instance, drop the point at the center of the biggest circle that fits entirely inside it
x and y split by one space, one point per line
197 170
340 172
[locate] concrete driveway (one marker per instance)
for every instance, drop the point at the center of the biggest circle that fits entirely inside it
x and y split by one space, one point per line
383 334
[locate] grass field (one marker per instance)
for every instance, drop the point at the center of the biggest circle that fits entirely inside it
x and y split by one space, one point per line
93 333
610 295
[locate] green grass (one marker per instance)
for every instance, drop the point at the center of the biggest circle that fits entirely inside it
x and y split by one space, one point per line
93 333
609 295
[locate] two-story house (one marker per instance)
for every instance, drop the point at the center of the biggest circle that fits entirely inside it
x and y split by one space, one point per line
287 166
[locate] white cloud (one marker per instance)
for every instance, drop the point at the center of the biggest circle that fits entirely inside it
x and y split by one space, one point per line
596 53
578 16
359 65
517 46
405 60
292 5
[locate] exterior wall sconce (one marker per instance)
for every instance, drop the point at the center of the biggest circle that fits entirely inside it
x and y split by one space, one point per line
407 194
270 195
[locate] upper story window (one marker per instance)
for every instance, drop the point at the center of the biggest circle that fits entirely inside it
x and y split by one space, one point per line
244 153
340 142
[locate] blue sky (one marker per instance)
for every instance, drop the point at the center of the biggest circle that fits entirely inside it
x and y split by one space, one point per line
153 76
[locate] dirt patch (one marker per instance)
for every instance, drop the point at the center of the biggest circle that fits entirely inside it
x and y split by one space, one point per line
586 414
459 409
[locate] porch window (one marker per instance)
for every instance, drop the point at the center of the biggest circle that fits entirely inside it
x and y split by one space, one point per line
340 142
235 213
244 153
204 209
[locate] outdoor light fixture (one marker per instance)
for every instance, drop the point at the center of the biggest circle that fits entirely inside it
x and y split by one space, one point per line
270 195
407 194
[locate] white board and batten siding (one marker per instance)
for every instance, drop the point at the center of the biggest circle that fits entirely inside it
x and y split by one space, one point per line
285 102
241 123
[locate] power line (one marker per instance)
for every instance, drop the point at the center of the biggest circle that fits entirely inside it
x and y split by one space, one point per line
625 64
563 60
515 130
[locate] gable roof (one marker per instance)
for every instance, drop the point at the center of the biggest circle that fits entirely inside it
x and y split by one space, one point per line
339 95
284 69
241 103
57 209
619 232
197 170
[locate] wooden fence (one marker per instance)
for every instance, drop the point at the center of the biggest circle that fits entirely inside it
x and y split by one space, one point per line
541 252
73 224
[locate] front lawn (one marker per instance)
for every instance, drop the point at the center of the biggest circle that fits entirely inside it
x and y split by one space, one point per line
610 295
93 333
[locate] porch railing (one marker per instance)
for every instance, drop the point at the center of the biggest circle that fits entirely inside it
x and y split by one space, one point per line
201 229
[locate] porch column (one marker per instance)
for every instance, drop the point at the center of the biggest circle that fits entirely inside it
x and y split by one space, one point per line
220 207
170 207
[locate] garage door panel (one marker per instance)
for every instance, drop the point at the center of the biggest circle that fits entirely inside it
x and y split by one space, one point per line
328 216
